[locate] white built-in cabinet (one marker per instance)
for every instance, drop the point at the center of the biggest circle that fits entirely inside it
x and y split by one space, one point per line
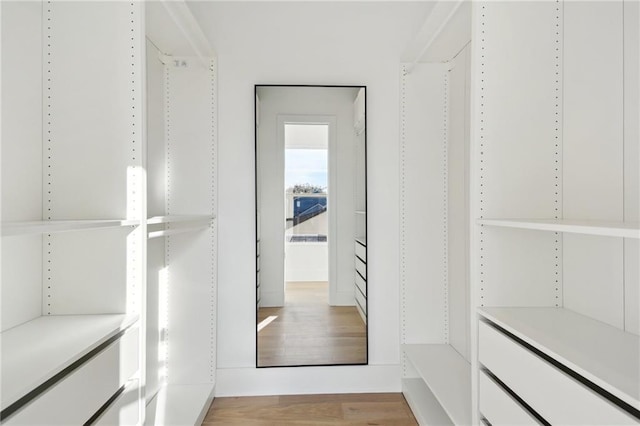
520 187
181 204
434 219
556 219
108 160
72 211
360 193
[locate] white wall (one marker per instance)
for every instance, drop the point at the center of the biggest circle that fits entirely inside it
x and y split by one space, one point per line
314 43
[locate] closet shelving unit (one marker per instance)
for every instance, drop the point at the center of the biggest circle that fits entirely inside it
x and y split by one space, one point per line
552 202
72 216
434 218
360 237
555 283
181 203
108 163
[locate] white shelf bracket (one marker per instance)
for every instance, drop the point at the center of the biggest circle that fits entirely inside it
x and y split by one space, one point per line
164 58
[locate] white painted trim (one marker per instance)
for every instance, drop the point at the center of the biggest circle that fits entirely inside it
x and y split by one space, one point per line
344 298
308 380
270 299
332 179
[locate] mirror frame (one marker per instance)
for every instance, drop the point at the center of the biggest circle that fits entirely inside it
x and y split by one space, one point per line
256 224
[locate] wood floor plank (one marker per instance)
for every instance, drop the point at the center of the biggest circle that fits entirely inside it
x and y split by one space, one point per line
365 411
388 409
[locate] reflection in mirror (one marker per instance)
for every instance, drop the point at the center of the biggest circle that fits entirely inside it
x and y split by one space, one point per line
311 225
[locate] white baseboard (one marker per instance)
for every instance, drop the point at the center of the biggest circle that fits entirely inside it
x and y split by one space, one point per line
179 405
271 299
344 298
308 380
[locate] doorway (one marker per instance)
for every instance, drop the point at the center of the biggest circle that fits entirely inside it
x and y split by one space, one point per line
306 192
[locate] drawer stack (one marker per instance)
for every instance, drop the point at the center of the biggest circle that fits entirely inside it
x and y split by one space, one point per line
524 380
361 278
76 383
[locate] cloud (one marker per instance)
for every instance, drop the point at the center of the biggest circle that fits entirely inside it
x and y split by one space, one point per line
305 166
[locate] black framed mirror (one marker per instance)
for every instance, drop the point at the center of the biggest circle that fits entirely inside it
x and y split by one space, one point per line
311 225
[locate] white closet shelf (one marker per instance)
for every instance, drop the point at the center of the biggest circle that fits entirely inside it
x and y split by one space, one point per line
603 228
187 223
180 404
423 403
157 220
447 375
361 212
362 240
37 350
603 354
53 226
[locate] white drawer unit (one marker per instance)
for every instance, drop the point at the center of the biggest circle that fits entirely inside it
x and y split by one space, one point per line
77 397
124 410
553 393
360 277
258 294
500 408
361 268
361 251
361 285
361 303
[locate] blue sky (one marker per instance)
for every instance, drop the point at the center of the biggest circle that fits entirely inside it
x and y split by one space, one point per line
305 166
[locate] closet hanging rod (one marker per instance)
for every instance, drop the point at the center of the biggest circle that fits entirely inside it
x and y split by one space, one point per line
435 35
178 11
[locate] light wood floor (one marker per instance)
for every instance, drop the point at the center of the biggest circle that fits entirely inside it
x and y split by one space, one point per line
307 331
388 409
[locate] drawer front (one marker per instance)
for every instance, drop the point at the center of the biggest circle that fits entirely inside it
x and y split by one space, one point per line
125 410
499 407
361 251
361 267
556 396
361 301
361 284
76 398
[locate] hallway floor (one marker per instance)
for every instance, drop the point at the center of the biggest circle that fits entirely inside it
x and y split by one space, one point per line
307 331
388 409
